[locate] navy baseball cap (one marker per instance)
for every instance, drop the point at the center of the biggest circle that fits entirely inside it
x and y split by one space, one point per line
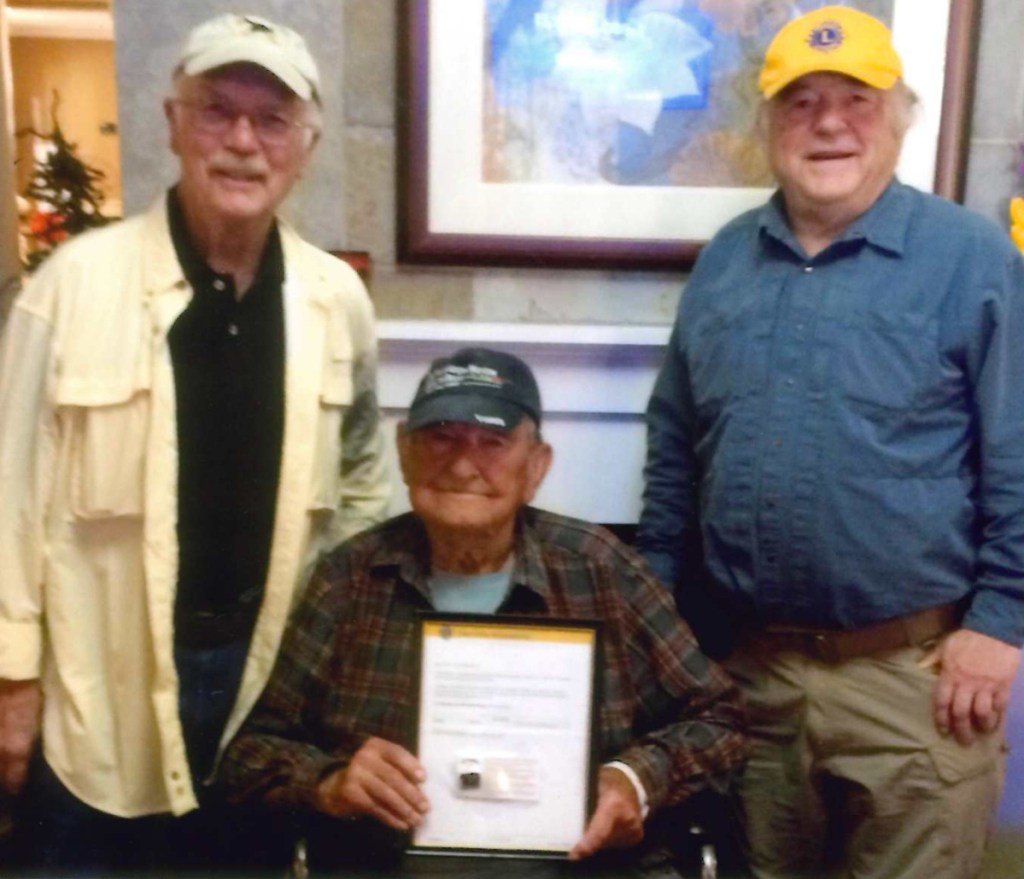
476 386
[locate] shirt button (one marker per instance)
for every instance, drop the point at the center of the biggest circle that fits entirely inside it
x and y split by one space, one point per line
790 382
219 284
233 329
808 269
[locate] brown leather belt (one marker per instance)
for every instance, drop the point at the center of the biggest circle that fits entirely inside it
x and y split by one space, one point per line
836 645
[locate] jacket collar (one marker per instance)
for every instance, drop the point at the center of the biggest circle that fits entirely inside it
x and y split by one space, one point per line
305 276
165 272
198 272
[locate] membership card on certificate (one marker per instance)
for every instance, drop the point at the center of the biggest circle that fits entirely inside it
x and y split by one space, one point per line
505 733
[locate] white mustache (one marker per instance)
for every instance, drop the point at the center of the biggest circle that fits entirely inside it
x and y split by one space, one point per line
233 169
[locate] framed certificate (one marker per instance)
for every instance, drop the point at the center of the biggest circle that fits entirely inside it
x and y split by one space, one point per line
506 733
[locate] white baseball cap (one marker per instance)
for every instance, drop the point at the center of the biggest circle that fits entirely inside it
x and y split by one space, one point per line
236 39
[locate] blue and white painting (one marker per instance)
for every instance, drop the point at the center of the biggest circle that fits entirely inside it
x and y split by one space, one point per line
641 92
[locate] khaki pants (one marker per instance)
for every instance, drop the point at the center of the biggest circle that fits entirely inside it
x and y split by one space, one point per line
849 777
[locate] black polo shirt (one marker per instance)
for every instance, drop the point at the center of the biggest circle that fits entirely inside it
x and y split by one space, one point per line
228 360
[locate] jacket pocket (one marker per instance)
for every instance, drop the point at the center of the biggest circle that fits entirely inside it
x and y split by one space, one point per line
335 398
104 435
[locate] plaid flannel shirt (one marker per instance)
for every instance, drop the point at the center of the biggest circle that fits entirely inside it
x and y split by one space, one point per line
345 671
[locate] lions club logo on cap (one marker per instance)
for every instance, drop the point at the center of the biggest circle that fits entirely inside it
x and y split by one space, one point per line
826 37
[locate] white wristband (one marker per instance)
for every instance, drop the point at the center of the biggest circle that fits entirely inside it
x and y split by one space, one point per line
634 780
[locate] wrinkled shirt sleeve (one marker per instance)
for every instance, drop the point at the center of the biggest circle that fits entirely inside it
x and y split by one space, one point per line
688 724
26 456
997 606
669 522
365 484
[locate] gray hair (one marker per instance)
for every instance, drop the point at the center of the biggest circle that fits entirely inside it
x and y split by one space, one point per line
905 105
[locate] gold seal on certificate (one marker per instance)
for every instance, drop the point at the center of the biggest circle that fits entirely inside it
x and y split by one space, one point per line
505 732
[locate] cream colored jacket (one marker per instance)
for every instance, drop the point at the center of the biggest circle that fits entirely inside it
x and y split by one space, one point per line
88 491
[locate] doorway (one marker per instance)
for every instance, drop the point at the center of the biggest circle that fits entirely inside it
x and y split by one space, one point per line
59 72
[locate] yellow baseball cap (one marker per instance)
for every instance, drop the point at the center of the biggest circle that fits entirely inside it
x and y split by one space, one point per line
836 39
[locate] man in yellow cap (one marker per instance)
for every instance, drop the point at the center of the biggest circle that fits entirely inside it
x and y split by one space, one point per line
835 477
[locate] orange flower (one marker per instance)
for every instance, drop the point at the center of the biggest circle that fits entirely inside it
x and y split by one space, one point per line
47 226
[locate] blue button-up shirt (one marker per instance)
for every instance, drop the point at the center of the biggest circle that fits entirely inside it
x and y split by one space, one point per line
839 440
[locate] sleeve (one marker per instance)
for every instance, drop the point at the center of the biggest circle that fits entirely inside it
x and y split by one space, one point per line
285 747
997 606
669 520
366 484
27 459
688 720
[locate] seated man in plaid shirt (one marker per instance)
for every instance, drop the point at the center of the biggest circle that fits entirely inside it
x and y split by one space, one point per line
332 732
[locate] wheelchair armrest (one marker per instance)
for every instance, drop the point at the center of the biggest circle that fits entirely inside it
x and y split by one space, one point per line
706 850
300 860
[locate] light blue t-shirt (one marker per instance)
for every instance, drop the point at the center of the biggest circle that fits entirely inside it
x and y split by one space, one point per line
469 593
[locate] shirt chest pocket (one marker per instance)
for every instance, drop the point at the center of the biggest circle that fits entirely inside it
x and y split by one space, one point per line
104 432
336 393
880 363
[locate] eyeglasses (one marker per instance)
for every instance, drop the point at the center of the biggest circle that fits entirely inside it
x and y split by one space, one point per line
217 118
803 105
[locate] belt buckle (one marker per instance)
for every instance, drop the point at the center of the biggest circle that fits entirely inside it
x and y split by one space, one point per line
824 647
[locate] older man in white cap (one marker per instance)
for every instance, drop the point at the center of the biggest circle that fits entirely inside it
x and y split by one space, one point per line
836 452
189 415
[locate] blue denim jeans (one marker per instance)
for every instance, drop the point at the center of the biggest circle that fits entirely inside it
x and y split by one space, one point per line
208 679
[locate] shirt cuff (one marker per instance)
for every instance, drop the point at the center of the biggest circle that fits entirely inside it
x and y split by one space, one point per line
21 650
634 780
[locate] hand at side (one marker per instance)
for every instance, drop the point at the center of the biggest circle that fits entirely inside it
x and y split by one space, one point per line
20 705
973 690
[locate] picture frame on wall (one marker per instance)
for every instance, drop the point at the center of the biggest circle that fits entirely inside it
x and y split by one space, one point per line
622 133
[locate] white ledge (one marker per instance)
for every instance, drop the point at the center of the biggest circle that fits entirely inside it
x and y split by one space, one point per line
583 369
569 335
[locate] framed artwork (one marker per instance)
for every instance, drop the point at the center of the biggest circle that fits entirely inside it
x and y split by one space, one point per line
621 133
